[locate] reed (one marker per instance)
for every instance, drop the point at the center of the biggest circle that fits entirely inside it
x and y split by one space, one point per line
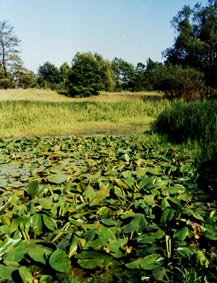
31 113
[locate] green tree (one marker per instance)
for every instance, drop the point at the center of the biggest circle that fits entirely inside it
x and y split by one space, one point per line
124 74
177 81
24 78
9 53
64 72
90 73
48 76
151 75
196 41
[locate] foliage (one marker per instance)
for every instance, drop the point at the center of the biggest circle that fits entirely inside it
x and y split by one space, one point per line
194 121
89 74
77 116
64 76
124 74
24 78
9 53
178 82
102 209
48 75
195 44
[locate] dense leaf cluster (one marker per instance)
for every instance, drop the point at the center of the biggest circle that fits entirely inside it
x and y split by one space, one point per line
102 209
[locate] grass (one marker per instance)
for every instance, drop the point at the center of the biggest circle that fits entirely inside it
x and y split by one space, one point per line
191 123
45 112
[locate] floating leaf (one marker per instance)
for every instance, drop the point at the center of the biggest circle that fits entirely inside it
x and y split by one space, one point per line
33 188
58 178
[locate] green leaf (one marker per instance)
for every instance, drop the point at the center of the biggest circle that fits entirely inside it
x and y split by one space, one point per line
39 253
136 225
89 193
202 258
59 261
151 262
8 245
185 251
135 264
33 188
25 274
49 222
109 222
6 272
151 237
167 215
46 279
197 215
106 234
159 273
119 192
121 184
58 178
181 234
16 254
211 232
73 247
91 263
37 223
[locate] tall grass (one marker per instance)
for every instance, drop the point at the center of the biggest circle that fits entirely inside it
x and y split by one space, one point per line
46 118
195 122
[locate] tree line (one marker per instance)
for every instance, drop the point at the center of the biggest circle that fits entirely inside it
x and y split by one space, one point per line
189 69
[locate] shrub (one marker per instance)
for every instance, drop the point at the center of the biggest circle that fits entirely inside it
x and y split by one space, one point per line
179 82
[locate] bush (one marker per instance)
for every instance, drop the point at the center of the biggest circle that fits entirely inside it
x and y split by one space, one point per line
179 82
6 83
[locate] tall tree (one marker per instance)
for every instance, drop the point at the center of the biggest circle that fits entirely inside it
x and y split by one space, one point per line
124 74
9 52
48 75
90 73
196 41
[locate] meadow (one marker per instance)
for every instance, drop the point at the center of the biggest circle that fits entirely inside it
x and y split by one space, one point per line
42 112
87 197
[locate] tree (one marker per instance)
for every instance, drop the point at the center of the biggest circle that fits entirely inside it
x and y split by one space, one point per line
90 73
177 81
196 41
9 53
64 72
24 78
48 75
124 74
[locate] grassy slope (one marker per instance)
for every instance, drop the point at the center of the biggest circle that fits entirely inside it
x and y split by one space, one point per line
45 112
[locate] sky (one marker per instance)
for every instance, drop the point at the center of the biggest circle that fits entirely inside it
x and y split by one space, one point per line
55 30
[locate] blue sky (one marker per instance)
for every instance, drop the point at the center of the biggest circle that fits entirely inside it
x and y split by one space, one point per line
54 30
